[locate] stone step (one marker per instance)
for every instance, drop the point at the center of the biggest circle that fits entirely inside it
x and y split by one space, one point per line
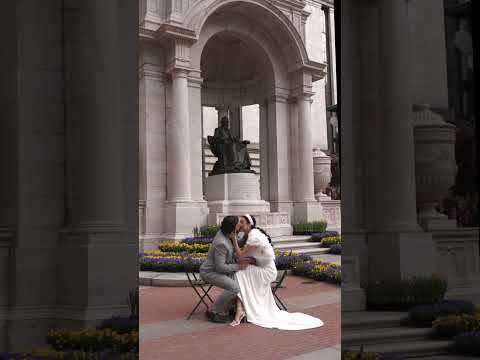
410 349
290 239
296 245
363 320
385 336
312 251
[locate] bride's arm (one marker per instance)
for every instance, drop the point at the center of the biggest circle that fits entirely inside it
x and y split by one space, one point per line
248 250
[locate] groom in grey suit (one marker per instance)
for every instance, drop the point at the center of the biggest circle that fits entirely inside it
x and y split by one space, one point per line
220 267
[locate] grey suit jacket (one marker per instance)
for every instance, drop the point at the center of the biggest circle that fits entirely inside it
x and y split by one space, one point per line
221 257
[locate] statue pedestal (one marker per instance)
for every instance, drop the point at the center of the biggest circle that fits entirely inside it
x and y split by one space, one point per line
236 193
239 194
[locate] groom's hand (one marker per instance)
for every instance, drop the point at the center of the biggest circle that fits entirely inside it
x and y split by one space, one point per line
243 262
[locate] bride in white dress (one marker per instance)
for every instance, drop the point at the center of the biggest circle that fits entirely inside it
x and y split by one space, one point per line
255 300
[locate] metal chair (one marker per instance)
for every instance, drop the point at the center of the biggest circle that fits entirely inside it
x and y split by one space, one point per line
200 287
277 284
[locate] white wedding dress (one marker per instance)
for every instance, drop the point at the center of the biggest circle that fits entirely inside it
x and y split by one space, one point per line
256 293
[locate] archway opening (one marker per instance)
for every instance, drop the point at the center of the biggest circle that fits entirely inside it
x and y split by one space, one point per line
237 74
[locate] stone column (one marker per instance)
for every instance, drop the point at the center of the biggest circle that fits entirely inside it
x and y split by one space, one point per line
221 111
307 208
354 249
264 169
236 122
396 111
185 207
332 61
278 152
305 149
400 249
178 140
153 148
294 153
102 164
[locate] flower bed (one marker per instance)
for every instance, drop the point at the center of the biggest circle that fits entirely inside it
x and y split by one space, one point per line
93 340
335 249
183 247
89 344
177 262
405 294
331 240
367 355
424 315
309 228
319 271
170 262
318 237
121 325
203 240
452 325
49 354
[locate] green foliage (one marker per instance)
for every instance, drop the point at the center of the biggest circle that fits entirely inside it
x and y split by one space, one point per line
404 294
309 228
206 230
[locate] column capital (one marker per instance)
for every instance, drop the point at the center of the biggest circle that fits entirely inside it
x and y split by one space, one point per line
194 79
303 96
278 98
153 72
177 72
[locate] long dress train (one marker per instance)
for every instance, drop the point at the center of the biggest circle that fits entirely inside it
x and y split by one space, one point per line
256 293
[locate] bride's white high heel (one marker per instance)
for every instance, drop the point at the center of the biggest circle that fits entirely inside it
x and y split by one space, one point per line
237 322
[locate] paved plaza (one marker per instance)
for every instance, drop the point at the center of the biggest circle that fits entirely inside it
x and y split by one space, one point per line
166 334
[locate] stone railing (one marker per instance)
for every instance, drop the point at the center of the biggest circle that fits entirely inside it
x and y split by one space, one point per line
458 261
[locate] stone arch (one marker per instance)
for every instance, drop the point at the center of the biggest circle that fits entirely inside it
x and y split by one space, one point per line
279 74
283 31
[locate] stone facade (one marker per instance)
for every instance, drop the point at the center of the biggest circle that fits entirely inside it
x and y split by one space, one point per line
69 149
396 154
190 58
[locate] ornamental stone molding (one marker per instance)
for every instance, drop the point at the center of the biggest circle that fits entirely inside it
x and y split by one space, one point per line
163 21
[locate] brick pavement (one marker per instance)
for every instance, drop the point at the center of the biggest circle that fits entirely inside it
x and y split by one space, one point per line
165 334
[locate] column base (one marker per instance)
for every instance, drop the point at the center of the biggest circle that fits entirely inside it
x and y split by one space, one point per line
182 218
149 242
307 211
237 207
281 206
393 256
431 224
353 299
95 248
353 296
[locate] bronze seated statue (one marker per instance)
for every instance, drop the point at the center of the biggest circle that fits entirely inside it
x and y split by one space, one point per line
232 154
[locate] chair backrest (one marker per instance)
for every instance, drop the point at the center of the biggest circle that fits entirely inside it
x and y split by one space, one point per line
192 277
280 277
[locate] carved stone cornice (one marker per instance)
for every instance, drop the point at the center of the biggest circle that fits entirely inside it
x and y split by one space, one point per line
292 4
318 70
169 32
